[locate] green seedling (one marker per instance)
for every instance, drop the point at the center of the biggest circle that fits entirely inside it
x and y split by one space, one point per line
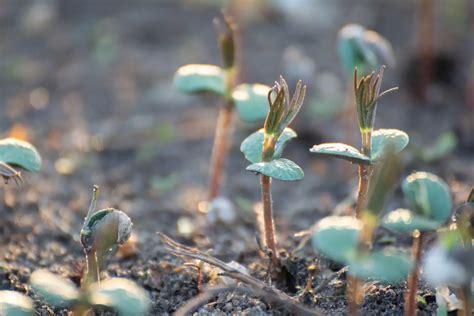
377 145
15 304
102 231
348 240
265 147
363 49
431 206
17 153
248 99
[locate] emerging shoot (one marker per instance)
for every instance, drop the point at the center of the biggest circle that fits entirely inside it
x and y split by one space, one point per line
103 231
264 148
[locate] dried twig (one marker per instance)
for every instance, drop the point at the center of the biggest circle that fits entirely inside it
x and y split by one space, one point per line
193 304
258 287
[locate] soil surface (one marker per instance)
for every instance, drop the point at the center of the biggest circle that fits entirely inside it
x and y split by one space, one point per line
90 84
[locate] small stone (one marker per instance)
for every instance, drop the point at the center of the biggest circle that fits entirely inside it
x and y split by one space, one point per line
221 210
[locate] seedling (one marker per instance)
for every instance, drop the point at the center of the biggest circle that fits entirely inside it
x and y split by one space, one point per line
431 206
102 231
363 49
377 145
17 153
265 147
248 99
348 240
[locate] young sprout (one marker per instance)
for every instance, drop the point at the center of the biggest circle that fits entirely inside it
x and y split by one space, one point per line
348 240
376 145
15 304
102 231
248 99
17 153
264 148
431 206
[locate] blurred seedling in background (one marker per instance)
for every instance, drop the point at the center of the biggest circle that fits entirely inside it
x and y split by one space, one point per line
102 232
248 99
15 154
450 262
265 147
348 240
430 208
363 49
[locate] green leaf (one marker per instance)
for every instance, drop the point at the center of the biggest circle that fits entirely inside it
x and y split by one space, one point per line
20 153
341 151
251 101
428 195
387 142
281 169
252 146
383 266
196 78
56 290
404 220
15 304
337 237
122 295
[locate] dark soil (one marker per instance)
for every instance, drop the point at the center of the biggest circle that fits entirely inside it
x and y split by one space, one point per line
112 118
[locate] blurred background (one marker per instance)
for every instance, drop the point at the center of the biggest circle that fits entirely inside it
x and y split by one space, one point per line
90 84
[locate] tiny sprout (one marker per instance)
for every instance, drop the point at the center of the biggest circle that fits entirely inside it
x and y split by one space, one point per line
377 145
367 94
102 231
248 99
264 148
15 304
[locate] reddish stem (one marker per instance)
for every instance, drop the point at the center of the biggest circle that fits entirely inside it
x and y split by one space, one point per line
222 142
413 278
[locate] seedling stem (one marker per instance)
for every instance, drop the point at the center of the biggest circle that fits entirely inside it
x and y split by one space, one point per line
225 121
413 278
